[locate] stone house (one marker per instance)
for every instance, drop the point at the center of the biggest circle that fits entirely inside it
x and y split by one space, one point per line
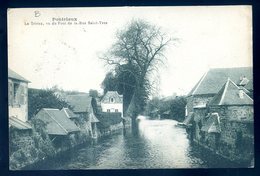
83 108
19 128
112 102
234 123
223 122
61 130
213 80
17 96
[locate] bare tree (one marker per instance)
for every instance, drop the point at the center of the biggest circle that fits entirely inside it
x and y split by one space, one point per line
138 51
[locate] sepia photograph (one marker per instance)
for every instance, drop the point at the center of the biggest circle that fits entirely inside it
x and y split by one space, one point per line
154 87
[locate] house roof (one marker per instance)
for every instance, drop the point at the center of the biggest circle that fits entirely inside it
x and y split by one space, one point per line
57 122
17 123
112 94
16 76
69 113
107 119
80 102
212 124
212 81
231 94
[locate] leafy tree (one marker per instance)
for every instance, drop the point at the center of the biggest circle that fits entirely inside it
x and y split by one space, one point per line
178 108
138 52
110 83
122 82
43 98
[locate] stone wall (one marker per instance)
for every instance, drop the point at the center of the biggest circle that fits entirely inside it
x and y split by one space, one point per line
199 116
196 100
27 147
236 140
240 113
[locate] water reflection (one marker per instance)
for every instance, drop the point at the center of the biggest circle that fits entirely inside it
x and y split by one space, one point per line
156 144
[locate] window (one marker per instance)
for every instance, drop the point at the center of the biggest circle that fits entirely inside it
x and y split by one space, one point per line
17 94
16 88
111 100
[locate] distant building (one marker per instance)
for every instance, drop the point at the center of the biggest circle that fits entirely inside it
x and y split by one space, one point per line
112 102
220 113
82 107
59 127
18 101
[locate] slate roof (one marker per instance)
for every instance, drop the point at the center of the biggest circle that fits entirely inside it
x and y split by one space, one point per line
112 94
17 123
16 76
80 102
229 94
212 124
57 123
214 79
69 113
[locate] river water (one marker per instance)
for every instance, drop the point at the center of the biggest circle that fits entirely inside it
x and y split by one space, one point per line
157 144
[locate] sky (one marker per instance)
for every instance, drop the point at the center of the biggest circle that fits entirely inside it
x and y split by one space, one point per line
67 55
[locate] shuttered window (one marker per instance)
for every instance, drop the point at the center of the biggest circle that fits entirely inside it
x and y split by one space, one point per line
21 95
16 94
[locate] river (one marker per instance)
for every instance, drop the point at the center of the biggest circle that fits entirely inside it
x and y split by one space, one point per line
157 144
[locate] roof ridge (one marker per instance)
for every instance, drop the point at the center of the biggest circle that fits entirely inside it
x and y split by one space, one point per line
224 92
66 113
240 89
200 82
58 123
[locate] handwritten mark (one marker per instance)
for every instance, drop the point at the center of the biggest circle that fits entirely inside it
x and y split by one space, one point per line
37 13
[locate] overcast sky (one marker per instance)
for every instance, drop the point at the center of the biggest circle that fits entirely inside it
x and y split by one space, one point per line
67 55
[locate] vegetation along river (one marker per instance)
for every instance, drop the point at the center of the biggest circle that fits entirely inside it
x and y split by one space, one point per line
157 144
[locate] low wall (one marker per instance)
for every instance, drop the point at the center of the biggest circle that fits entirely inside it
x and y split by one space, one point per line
235 142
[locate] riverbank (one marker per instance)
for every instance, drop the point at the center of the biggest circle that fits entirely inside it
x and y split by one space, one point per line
36 146
159 144
219 157
65 156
